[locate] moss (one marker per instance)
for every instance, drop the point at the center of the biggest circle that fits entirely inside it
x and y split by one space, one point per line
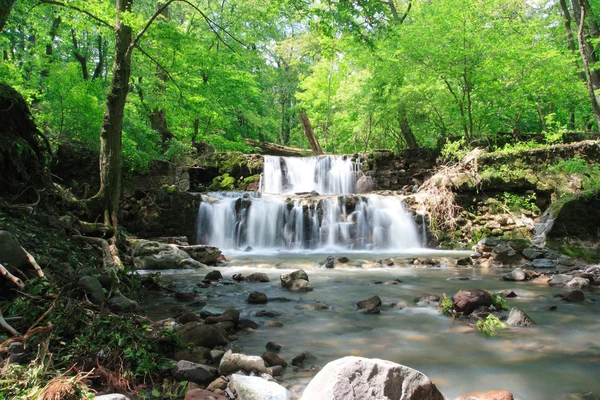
243 185
223 182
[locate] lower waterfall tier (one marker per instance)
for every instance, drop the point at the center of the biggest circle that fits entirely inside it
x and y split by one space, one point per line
239 220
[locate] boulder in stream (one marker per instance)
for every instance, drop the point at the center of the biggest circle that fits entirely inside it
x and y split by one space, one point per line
358 378
205 254
203 335
516 275
287 279
467 301
154 256
257 388
257 298
578 283
197 373
257 277
518 317
232 362
371 305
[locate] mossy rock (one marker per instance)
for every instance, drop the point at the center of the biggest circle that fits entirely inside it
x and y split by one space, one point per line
223 182
243 185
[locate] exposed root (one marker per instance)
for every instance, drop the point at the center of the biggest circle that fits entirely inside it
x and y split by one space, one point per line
7 326
110 259
6 274
35 265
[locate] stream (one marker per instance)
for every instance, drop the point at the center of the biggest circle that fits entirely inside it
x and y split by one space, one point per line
558 356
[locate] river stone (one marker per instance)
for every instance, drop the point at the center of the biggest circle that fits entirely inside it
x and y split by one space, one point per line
232 362
467 301
272 346
247 323
517 317
371 305
11 251
272 359
256 388
366 184
154 255
213 276
551 254
257 277
122 304
208 311
231 315
216 355
504 253
566 261
343 260
559 280
93 288
578 283
424 299
257 298
299 360
543 263
491 395
313 306
358 378
575 296
203 335
287 279
517 274
202 253
531 253
300 285
112 396
197 373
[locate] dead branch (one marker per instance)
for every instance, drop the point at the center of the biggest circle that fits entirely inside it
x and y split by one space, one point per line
35 265
7 326
5 273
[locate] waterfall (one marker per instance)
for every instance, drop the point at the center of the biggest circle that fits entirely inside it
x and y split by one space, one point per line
332 219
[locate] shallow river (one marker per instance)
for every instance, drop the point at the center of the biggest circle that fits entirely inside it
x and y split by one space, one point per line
558 356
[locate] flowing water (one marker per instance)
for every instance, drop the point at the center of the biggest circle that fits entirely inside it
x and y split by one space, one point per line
284 232
559 355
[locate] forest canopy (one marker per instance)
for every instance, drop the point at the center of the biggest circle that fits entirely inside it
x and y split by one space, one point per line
369 74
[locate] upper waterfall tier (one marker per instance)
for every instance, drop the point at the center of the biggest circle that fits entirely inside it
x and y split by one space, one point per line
323 174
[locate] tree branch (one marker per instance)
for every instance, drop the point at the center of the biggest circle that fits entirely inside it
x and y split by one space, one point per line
58 3
158 12
163 69
5 273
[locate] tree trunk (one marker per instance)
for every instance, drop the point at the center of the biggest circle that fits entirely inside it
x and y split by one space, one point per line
100 64
308 132
5 7
586 67
407 133
112 123
80 57
580 11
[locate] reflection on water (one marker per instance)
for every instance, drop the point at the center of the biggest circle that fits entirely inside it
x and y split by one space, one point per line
559 355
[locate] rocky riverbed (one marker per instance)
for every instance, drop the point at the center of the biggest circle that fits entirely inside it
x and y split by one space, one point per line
554 357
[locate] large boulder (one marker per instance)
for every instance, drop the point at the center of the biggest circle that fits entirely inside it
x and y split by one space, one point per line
257 277
155 255
256 388
296 281
203 335
203 253
358 378
232 362
92 287
11 251
516 275
371 305
366 184
518 317
467 301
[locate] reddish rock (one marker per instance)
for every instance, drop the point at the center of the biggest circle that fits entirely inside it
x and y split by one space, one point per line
467 301
201 394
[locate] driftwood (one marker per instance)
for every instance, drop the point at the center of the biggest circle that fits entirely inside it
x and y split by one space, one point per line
272 149
309 133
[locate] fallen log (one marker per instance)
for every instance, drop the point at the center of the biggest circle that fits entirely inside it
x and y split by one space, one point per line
272 149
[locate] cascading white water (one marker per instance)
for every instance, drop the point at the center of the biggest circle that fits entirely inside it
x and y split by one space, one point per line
335 219
325 175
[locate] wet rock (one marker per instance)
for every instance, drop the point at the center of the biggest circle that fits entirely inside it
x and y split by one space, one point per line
247 323
313 306
551 254
516 275
272 359
203 394
154 256
216 355
300 285
184 296
509 293
559 280
531 274
257 277
566 261
232 362
388 262
330 262
504 253
213 276
255 388
267 314
231 315
209 311
192 372
371 305
552 308
466 301
248 249
575 296
531 253
578 283
287 279
186 317
518 317
196 354
272 346
203 253
122 304
358 378
542 263
301 358
427 299
218 383
238 277
257 298
491 395
343 260
203 335
464 261
11 251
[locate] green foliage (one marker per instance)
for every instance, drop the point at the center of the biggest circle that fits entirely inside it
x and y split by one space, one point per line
445 306
454 151
499 302
223 182
489 325
589 174
517 203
